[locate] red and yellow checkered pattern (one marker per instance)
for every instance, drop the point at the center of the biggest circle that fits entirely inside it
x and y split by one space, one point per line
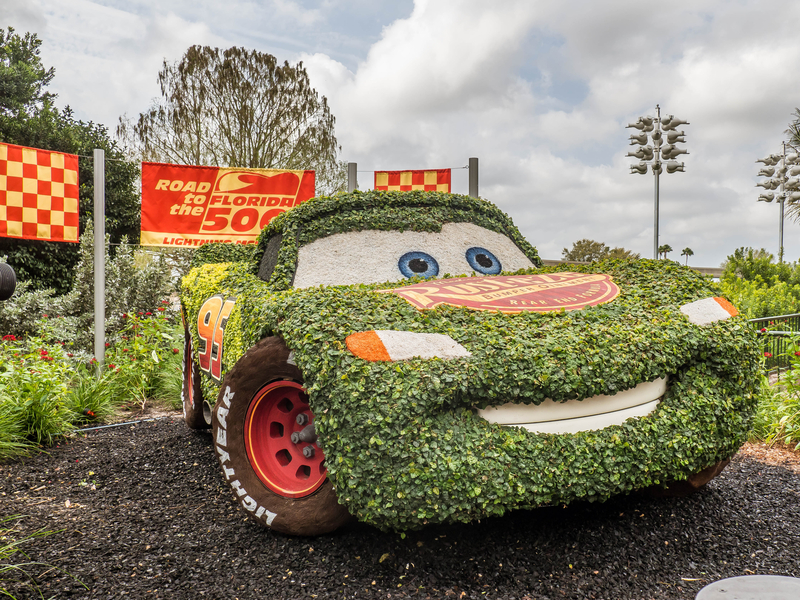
38 194
432 180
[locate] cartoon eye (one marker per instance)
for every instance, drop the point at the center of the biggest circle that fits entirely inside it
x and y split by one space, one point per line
413 264
483 261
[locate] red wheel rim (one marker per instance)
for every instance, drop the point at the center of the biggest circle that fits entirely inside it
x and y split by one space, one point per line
278 462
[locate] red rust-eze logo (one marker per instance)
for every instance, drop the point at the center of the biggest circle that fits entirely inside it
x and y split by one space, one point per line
514 293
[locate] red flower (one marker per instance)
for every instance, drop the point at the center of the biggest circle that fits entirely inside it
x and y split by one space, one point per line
93 361
107 344
44 316
175 351
124 349
768 354
797 353
42 351
124 315
140 313
763 329
70 354
165 302
161 308
148 314
112 366
9 338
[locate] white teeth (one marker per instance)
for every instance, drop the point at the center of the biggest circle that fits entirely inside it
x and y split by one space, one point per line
573 416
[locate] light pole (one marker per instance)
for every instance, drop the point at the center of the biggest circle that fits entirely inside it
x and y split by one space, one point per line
659 130
776 166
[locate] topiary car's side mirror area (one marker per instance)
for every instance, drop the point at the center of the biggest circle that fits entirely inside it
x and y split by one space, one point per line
468 384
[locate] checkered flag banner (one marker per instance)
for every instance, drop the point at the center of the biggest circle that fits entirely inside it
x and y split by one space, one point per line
38 194
431 180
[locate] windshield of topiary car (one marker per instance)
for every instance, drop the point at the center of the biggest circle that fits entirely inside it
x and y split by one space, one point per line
374 256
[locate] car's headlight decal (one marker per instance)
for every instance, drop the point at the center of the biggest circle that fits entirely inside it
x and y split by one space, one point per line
388 345
709 310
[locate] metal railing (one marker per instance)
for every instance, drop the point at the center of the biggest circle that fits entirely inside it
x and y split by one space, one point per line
776 332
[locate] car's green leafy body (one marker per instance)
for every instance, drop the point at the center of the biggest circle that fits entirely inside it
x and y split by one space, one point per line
403 442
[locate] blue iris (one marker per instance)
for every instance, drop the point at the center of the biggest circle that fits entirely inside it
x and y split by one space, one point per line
418 264
483 261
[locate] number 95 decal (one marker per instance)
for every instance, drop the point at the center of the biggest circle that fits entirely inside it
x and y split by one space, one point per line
211 322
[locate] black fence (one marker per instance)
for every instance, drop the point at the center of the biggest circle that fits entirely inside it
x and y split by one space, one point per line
776 333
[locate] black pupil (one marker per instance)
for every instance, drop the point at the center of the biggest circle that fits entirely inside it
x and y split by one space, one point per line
418 265
484 260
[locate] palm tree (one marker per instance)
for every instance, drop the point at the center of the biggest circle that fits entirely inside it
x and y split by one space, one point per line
687 252
664 249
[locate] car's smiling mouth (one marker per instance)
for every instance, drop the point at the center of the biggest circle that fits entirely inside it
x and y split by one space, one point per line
574 416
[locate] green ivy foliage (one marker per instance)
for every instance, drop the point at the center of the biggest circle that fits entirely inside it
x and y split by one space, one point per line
403 443
220 252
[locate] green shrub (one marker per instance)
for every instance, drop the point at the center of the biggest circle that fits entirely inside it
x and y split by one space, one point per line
136 281
778 416
758 286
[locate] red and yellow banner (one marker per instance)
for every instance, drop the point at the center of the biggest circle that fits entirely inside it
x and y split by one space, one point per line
188 206
38 194
431 180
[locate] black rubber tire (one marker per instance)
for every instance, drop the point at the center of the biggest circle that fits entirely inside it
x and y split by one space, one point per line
8 281
316 514
191 392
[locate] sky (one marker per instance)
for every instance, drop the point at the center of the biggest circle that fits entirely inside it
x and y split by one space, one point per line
539 91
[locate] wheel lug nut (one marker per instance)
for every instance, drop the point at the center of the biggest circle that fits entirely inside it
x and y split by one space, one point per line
302 419
295 437
308 451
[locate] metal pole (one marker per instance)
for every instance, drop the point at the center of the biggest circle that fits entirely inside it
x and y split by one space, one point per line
656 168
655 236
99 259
473 177
783 199
352 177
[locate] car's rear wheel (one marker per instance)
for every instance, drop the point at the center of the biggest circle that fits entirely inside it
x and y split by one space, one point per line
267 447
195 414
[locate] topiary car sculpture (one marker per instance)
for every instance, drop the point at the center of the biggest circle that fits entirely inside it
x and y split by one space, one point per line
402 358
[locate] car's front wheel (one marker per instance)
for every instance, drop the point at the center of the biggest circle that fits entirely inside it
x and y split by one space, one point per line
265 441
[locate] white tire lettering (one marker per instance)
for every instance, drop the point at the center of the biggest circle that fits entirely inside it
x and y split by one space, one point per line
222 413
271 517
240 491
228 396
222 437
249 503
228 472
223 456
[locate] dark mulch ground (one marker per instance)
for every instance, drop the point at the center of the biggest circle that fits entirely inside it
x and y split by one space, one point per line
143 512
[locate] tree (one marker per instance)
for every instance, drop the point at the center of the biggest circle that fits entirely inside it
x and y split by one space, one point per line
22 75
238 108
585 251
687 252
589 250
793 207
28 118
666 248
620 252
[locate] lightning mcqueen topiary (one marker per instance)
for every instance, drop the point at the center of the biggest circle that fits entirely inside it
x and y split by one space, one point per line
402 358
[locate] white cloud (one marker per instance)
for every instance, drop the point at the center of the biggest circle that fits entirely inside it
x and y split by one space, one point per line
539 91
